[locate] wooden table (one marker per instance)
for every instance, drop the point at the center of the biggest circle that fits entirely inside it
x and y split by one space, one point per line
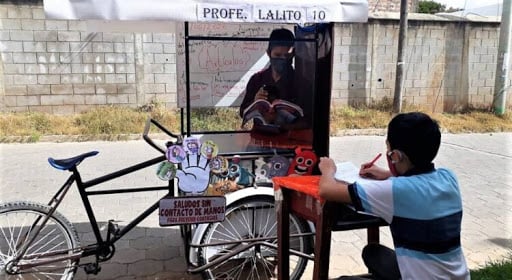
299 196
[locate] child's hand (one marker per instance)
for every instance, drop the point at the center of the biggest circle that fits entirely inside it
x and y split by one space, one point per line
373 172
327 166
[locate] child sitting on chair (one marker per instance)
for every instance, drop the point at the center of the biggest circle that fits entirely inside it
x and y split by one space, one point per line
422 204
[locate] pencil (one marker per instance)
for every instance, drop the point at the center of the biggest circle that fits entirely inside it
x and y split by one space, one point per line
374 160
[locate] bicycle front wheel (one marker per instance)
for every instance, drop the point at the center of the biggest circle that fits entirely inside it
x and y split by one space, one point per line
249 220
19 221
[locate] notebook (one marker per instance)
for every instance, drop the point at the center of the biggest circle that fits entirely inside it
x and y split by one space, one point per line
347 172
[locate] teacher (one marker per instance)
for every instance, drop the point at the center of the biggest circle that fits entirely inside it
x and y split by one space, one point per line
278 80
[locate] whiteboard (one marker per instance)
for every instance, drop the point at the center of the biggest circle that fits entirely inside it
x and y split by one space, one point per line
220 70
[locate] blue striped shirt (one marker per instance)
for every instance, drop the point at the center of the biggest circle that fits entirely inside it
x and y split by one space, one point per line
425 214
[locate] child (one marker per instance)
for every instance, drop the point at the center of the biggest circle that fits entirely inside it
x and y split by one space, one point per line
422 204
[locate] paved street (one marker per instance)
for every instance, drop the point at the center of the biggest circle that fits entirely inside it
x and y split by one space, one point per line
482 162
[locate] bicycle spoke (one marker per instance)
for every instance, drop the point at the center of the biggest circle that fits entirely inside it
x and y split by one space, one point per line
46 243
268 265
48 255
245 221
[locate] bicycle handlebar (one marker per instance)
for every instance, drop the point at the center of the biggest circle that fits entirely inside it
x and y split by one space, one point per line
150 141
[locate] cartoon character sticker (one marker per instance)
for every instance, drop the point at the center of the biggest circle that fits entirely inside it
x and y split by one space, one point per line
238 173
209 149
191 145
166 171
303 162
223 187
219 165
176 154
278 166
261 172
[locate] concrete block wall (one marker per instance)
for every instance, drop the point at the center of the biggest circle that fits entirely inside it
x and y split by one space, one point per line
448 65
60 67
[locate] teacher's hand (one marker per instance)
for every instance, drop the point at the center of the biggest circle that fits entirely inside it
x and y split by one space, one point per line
261 94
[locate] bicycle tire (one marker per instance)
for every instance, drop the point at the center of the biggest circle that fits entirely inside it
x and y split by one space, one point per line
248 218
16 221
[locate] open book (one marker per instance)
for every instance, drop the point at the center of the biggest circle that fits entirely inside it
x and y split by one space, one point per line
271 114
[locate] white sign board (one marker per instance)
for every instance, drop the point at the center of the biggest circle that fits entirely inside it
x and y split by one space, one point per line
270 11
264 13
191 210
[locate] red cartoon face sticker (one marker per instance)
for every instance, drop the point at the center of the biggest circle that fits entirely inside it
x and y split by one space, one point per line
303 162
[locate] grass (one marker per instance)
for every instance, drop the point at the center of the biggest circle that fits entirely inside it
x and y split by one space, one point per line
498 270
109 122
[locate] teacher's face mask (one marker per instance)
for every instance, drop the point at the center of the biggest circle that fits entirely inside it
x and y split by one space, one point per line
280 65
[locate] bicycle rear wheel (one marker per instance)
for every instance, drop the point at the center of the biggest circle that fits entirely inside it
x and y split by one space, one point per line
251 218
18 223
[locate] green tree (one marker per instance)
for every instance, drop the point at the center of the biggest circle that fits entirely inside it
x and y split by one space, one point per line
430 7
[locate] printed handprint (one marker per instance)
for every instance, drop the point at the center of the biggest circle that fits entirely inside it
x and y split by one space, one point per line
194 175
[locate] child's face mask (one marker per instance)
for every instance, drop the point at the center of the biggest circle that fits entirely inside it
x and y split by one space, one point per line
391 163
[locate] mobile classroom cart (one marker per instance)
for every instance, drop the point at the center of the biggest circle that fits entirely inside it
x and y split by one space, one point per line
219 46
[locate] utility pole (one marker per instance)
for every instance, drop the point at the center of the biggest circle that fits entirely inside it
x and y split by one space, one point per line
503 60
402 38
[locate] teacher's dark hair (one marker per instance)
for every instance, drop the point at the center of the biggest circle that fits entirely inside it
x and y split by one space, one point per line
281 37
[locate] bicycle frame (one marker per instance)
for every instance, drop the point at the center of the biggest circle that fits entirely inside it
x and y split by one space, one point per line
102 246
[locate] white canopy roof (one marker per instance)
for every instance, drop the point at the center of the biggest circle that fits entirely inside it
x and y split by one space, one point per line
270 11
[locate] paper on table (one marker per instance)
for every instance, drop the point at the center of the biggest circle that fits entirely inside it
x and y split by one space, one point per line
347 172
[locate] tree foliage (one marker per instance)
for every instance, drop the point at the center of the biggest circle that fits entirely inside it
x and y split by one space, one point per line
430 7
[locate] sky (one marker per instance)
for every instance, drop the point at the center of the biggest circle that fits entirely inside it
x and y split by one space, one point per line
467 3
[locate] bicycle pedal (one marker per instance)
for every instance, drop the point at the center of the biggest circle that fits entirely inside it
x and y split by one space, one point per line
92 268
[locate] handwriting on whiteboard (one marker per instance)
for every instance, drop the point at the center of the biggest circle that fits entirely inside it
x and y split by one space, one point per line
219 70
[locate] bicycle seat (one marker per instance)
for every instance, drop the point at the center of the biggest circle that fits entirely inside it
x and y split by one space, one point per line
68 163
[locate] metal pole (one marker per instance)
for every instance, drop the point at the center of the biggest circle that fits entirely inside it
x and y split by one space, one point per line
502 65
402 38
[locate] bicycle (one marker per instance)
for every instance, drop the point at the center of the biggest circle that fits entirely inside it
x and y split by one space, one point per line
37 242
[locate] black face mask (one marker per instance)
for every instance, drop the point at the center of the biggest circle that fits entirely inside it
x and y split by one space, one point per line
280 65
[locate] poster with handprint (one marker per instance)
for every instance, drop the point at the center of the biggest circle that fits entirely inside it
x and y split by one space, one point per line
193 173
194 166
193 176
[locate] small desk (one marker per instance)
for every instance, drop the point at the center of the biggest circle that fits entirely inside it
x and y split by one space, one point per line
299 196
